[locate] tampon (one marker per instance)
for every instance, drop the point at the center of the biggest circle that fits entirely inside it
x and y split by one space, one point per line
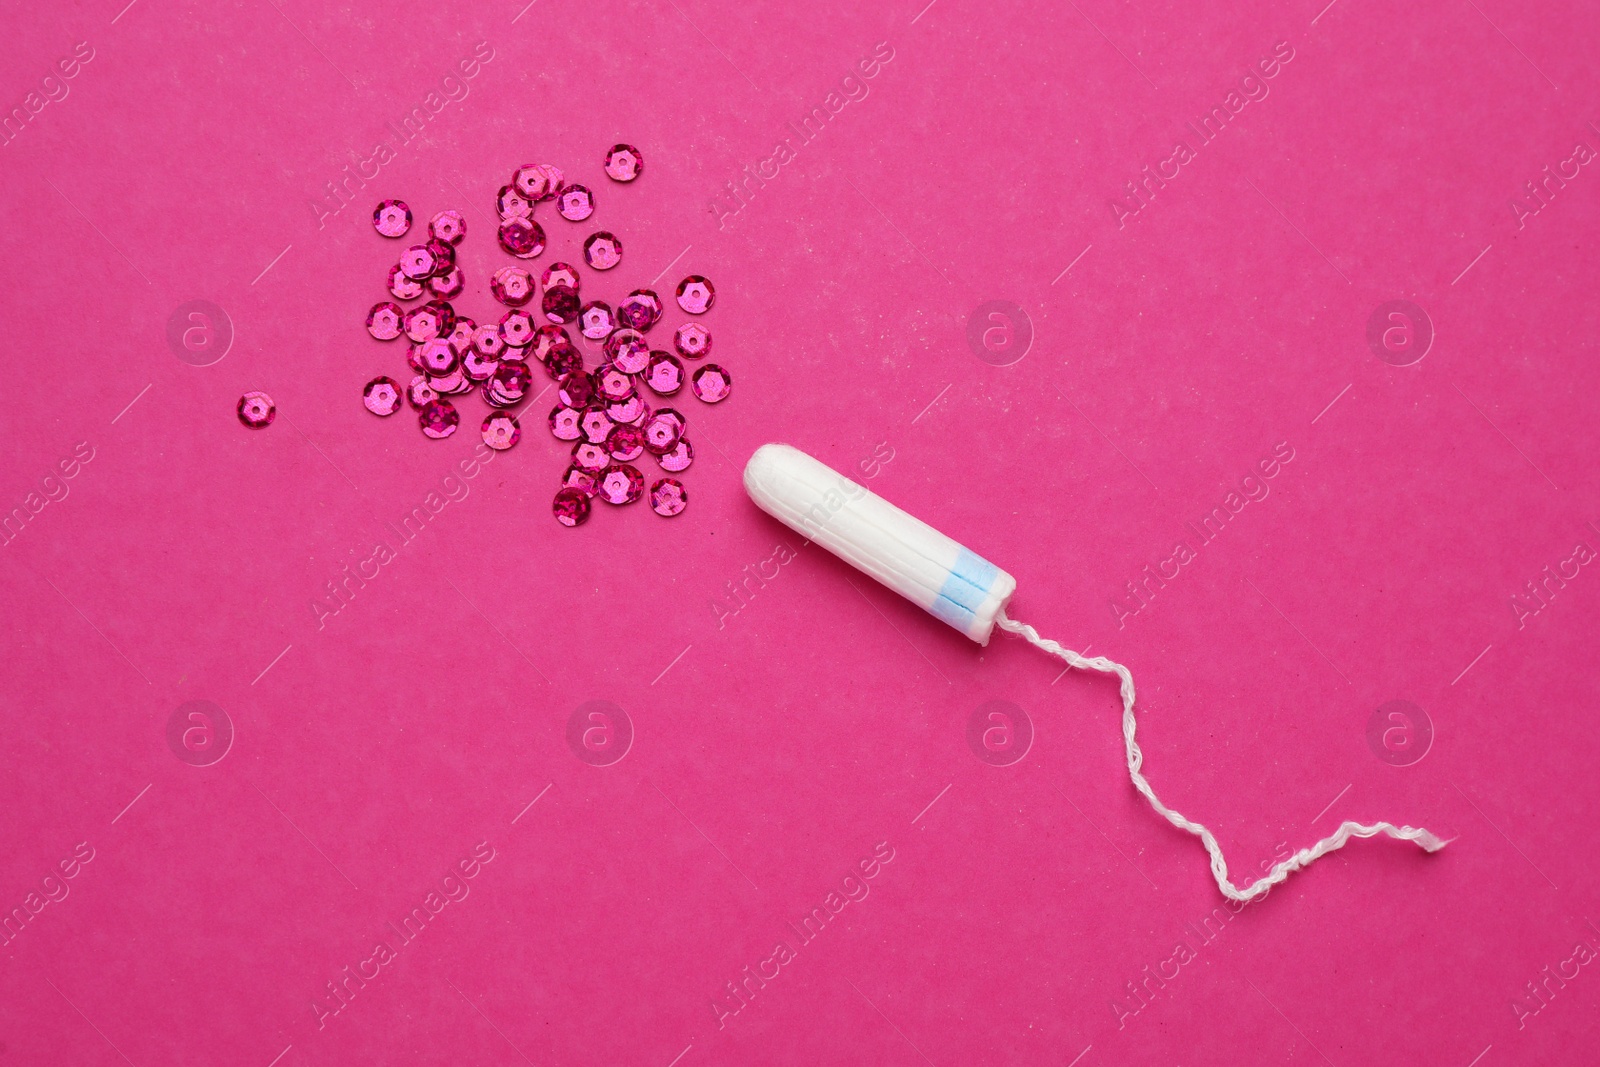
960 587
951 582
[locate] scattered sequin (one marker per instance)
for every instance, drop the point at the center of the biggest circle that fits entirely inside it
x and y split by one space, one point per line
585 482
516 328
531 181
562 359
679 458
613 383
621 483
663 431
417 262
488 342
575 390
596 425
448 226
512 286
555 181
596 320
693 341
461 335
632 411
511 381
392 218
602 250
501 431
437 357
564 424
511 204
571 507
402 287
424 323
624 163
711 383
639 310
560 274
478 367
453 384
577 203
628 351
382 396
522 237
448 284
625 443
439 419
545 338
256 409
668 497
560 304
663 374
696 295
385 320
420 393
586 455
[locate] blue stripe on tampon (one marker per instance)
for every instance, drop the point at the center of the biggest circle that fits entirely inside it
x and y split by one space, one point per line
965 588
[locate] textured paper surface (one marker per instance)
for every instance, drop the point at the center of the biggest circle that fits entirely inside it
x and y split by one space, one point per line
942 284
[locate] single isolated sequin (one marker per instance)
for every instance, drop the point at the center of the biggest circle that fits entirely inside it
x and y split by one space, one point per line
402 287
501 431
696 295
575 390
628 351
560 274
621 483
448 226
664 374
522 237
564 423
586 455
478 367
516 328
512 286
571 507
531 181
382 396
625 443
448 284
392 218
711 383
596 320
668 497
632 411
256 409
624 163
487 341
437 357
576 204
612 383
693 341
663 431
585 482
424 323
596 424
510 204
417 263
420 393
640 310
602 250
679 458
385 320
560 304
439 419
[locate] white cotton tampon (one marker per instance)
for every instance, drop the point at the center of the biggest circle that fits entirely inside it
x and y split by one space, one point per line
949 581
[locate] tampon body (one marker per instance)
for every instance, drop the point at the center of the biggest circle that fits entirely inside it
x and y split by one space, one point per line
947 580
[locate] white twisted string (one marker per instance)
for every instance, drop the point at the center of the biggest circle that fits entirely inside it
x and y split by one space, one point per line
1427 840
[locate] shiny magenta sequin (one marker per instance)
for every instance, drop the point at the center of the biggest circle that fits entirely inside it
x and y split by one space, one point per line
624 163
632 411
585 482
437 357
589 456
511 381
545 338
382 396
424 323
417 262
510 204
696 295
461 335
453 384
602 250
596 320
663 431
402 287
512 286
613 384
392 218
693 341
555 181
625 443
448 284
562 359
385 320
522 237
628 351
560 304
711 383
439 419
560 274
501 431
256 410
571 507
531 182
478 367
575 390
576 204
668 497
596 425
639 310
420 393
564 423
516 328
679 458
664 374
448 226
444 255
621 483
488 342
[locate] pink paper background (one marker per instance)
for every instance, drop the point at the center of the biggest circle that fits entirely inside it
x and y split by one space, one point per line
777 745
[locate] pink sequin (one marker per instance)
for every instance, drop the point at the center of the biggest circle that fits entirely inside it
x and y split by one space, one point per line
392 218
696 295
511 381
512 286
561 274
679 458
571 507
437 357
478 367
545 338
560 304
625 443
621 483
711 383
382 396
693 341
663 431
423 323
555 181
602 250
585 482
444 255
596 320
453 384
448 226
516 328
461 335
448 284
575 390
420 393
589 456
596 425
577 203
510 204
531 182
664 374
628 351
632 411
668 497
565 425
439 419
522 237
639 310
256 410
417 263
624 163
402 287
501 431
488 342
385 320
613 384
562 359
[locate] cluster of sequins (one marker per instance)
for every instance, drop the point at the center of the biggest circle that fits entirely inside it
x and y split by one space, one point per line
604 411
